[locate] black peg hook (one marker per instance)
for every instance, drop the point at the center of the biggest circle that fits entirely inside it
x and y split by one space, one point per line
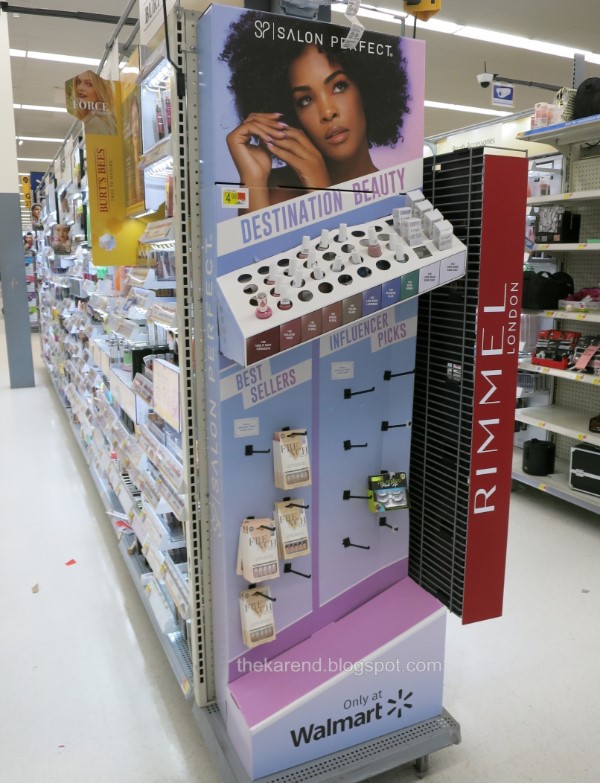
384 523
385 426
262 595
349 445
346 543
348 393
287 569
348 496
388 374
249 451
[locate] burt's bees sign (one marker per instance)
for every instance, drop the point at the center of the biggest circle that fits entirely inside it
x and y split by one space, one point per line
96 103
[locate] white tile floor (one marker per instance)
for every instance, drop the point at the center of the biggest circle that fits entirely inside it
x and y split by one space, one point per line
86 695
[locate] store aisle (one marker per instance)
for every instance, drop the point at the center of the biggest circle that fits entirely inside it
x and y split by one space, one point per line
88 696
85 691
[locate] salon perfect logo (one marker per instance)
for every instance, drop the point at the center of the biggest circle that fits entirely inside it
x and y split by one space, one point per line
332 726
266 29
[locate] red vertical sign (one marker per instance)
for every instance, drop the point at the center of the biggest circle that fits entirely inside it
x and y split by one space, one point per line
498 323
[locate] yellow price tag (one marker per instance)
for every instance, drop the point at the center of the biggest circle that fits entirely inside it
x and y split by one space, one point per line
541 424
580 318
148 588
545 370
579 377
581 436
163 569
582 246
186 686
236 198
567 195
596 381
542 487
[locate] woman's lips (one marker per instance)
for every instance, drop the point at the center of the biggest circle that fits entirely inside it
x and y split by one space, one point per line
337 135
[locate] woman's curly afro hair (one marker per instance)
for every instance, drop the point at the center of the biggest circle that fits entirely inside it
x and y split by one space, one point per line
259 72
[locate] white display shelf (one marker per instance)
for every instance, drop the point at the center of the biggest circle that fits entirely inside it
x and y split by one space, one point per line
575 196
565 133
563 421
568 315
569 247
568 375
556 484
173 644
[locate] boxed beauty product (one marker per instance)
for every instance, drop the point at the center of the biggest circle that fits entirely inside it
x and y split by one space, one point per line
399 214
556 224
429 219
555 348
586 356
442 234
292 528
412 197
421 207
291 461
257 550
412 231
258 622
388 492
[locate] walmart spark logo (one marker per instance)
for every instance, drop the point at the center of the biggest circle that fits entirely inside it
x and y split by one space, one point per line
398 704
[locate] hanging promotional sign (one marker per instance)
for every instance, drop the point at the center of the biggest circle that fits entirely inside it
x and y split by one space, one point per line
151 18
96 102
132 137
26 190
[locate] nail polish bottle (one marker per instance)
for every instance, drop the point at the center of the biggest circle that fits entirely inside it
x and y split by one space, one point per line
324 241
304 251
298 280
278 285
355 257
336 265
292 268
263 310
270 277
343 233
312 259
374 248
285 302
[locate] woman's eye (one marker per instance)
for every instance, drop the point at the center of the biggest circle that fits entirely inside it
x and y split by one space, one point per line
340 86
305 100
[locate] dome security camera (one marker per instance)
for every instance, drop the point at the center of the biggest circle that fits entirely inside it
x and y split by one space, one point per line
485 79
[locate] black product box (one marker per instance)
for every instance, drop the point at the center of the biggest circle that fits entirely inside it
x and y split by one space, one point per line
584 471
555 348
556 224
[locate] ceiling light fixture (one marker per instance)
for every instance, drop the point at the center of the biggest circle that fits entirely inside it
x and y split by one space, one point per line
468 109
17 52
64 58
38 108
42 160
40 138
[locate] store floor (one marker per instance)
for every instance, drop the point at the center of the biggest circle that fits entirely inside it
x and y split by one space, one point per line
87 696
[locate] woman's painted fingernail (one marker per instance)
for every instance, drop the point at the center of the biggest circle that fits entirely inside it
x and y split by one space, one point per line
277 114
283 125
269 144
269 140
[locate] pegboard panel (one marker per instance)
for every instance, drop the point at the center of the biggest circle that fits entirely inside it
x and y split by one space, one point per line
585 174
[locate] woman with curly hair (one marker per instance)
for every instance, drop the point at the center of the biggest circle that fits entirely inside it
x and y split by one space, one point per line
316 107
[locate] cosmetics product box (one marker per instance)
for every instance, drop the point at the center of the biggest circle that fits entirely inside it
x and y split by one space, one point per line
412 197
421 207
399 214
292 528
291 460
413 231
555 348
257 550
442 234
429 219
556 224
258 622
388 492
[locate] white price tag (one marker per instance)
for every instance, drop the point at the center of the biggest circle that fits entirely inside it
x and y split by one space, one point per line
355 33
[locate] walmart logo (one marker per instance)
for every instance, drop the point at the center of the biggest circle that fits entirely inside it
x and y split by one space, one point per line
399 703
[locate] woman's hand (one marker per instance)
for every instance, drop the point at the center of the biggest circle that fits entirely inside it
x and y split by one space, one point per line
301 155
253 161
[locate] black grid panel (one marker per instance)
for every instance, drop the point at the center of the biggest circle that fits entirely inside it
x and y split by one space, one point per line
444 390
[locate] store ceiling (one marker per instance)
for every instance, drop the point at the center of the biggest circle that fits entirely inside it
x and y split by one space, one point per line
452 62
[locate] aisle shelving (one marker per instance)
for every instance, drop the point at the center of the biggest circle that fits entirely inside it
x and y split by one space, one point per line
572 197
568 247
556 484
567 375
563 421
568 315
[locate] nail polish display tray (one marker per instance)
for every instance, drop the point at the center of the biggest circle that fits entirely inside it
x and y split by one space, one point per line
339 298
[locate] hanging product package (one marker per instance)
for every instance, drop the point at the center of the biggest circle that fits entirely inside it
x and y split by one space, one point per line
555 224
587 100
543 290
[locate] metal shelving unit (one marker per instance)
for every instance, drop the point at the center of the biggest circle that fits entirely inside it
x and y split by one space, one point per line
575 396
